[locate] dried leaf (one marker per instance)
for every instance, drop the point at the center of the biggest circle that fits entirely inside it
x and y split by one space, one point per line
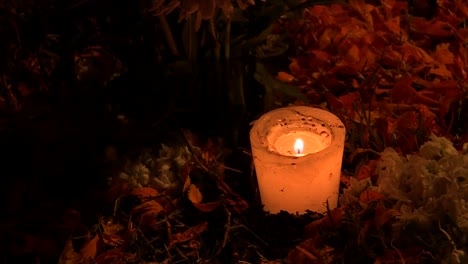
226 6
242 4
115 256
364 10
189 234
111 227
194 194
207 9
441 71
352 55
285 77
187 8
196 197
187 183
413 54
144 192
149 207
112 240
68 255
198 21
443 55
89 250
366 171
117 190
294 67
210 206
327 38
370 195
173 4
312 251
404 92
393 25
156 4
328 222
345 104
351 102
433 28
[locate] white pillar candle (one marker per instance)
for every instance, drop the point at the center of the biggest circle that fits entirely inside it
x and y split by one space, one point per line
297 153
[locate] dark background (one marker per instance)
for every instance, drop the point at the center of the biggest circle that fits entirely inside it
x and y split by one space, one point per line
59 117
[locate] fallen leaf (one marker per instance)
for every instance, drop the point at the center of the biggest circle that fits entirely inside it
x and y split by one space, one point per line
144 192
285 77
413 54
328 222
351 103
187 183
189 234
370 195
294 66
194 194
210 206
366 171
207 9
441 71
345 104
117 190
238 206
443 55
432 28
312 251
353 54
404 92
393 25
68 256
112 240
149 207
115 256
110 226
89 250
327 38
364 10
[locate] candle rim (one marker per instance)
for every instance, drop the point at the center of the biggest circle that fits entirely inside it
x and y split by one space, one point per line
335 126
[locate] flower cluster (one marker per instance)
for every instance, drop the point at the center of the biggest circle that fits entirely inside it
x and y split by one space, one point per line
161 173
429 185
418 194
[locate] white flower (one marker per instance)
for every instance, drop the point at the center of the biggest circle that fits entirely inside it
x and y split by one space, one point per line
437 147
124 176
390 169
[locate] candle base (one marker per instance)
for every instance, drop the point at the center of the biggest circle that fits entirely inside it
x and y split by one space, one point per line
298 182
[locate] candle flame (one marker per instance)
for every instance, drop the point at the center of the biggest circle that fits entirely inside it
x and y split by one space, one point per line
299 146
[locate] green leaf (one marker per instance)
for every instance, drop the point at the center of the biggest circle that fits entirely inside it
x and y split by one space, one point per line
272 86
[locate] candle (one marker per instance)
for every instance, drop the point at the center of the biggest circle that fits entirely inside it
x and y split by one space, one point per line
297 153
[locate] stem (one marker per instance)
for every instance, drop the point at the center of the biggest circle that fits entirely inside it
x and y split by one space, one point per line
212 31
189 23
168 34
227 40
192 46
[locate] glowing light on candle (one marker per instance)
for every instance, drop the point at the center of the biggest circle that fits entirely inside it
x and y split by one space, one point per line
299 146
